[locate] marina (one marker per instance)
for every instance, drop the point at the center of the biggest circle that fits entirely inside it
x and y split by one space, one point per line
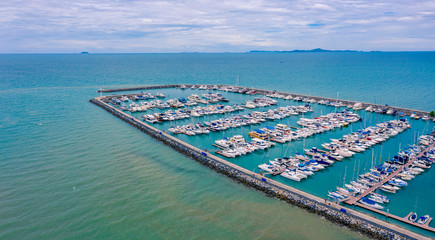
275 133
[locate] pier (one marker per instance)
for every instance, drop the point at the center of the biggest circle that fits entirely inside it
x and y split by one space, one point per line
357 221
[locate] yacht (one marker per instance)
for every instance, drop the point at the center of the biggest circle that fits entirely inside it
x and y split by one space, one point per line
413 217
314 164
423 220
357 106
370 203
291 175
301 156
376 198
160 95
398 182
337 196
249 104
388 188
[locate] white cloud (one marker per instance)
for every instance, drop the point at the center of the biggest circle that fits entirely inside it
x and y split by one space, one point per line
322 6
203 25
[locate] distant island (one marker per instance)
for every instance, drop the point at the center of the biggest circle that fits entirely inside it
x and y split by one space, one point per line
84 53
312 50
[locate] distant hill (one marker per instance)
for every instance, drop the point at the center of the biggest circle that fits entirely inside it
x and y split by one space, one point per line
297 50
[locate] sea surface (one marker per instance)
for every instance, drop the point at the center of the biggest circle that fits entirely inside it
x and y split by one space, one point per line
70 170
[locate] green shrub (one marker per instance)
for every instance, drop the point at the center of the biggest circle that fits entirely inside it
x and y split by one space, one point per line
432 113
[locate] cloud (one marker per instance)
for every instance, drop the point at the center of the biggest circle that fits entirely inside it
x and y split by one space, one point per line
322 6
210 26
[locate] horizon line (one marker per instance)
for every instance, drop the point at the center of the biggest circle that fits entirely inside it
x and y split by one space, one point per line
251 51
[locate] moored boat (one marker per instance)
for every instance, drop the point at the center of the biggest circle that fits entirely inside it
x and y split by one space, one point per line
388 188
370 203
413 217
423 220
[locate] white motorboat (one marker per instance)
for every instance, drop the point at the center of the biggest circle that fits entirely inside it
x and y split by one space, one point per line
370 203
423 220
291 175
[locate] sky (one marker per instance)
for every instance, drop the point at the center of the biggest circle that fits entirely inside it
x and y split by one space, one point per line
130 26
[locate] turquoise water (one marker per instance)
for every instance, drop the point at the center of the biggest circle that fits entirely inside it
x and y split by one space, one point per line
68 169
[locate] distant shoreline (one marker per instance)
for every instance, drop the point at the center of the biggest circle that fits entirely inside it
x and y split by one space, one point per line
312 50
317 50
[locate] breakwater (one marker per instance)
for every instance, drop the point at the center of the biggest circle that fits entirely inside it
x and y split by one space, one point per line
137 88
354 220
405 111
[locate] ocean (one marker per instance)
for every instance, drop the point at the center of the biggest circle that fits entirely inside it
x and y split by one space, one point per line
69 169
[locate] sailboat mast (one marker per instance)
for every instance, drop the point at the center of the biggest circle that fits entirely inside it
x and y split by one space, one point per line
344 178
359 164
380 157
353 175
373 155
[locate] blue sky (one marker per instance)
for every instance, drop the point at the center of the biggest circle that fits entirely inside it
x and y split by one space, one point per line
106 26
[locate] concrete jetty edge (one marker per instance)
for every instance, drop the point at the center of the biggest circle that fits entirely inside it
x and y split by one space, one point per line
354 220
